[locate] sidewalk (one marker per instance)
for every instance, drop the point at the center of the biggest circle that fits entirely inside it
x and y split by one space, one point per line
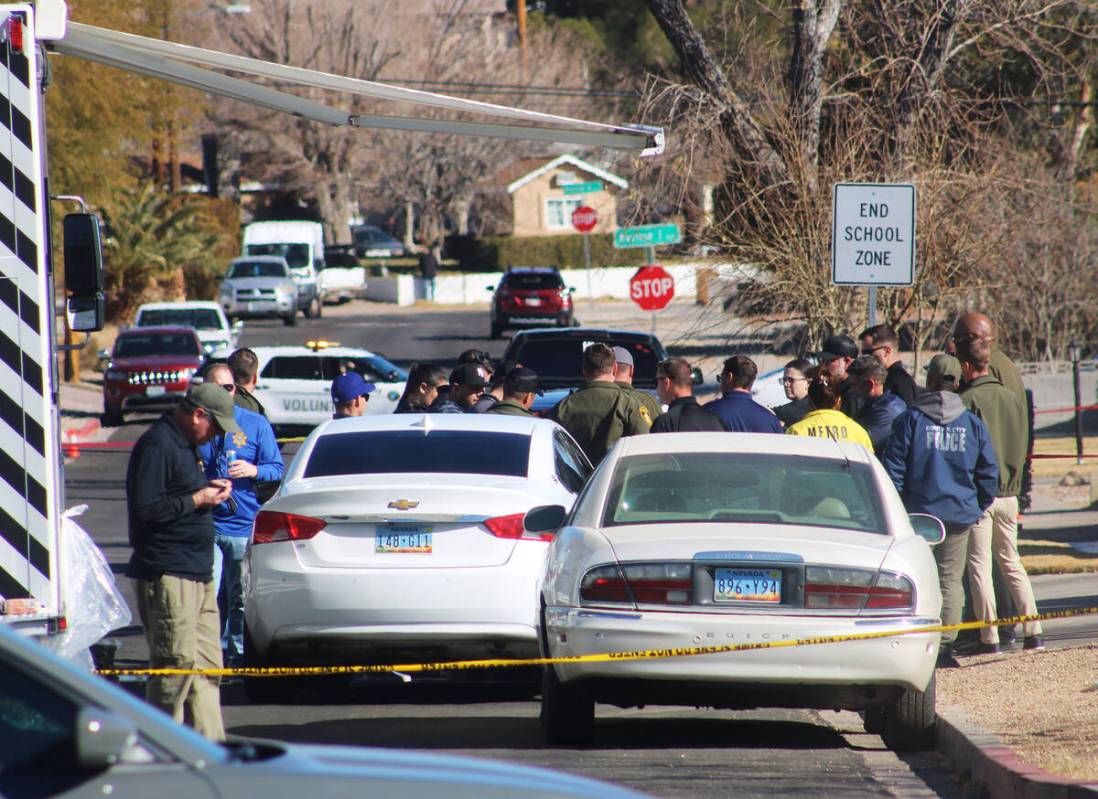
81 408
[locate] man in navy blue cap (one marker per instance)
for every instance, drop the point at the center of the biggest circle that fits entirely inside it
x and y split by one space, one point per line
350 393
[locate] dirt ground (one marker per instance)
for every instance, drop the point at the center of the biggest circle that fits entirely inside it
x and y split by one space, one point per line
1043 705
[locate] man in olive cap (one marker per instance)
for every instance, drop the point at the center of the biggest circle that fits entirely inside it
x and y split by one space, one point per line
624 372
519 389
169 502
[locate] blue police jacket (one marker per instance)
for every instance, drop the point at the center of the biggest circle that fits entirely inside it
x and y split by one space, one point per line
257 445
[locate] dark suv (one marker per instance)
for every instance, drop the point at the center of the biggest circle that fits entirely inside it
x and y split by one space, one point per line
531 295
556 356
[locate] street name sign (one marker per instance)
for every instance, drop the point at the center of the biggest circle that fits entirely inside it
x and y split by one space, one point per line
646 236
651 287
873 234
589 187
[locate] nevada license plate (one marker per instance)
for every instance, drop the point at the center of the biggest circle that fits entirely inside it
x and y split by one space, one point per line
747 585
154 391
408 538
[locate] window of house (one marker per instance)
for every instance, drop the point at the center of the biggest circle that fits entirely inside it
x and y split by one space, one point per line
558 211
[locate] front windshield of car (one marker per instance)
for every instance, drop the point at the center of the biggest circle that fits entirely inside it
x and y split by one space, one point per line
405 451
139 346
296 254
256 269
758 488
558 359
198 318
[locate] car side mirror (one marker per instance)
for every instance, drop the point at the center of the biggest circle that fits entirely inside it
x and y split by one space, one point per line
490 288
85 308
928 527
696 373
101 738
571 289
544 518
104 355
392 377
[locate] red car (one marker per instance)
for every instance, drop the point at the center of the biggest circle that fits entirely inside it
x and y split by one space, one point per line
150 370
531 296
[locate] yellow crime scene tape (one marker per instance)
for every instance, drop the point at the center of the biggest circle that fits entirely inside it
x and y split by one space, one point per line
606 657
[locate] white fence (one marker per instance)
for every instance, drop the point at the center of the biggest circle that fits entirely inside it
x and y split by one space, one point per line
604 282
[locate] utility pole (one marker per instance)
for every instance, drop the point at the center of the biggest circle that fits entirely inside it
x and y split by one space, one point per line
520 9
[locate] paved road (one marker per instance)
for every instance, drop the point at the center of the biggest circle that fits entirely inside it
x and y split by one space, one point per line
668 752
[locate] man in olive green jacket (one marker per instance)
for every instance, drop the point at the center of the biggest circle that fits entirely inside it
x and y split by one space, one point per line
995 536
245 366
624 371
599 413
519 388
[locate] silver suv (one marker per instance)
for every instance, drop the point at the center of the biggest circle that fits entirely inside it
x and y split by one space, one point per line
259 286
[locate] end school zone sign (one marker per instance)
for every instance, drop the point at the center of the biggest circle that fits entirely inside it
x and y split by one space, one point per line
873 234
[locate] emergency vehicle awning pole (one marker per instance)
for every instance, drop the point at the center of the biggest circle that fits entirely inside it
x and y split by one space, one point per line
178 63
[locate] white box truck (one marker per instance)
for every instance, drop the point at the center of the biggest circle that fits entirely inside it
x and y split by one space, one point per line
302 245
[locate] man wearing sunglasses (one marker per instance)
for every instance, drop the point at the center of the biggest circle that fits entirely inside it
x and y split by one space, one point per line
246 457
882 343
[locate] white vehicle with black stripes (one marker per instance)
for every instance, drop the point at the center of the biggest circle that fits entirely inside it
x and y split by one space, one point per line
401 537
295 383
688 540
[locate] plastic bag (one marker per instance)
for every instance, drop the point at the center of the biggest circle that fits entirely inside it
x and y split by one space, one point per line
93 604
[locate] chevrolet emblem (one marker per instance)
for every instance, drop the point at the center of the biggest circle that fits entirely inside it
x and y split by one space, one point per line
404 504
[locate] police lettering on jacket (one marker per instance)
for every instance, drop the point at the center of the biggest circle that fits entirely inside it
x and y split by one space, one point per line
946 439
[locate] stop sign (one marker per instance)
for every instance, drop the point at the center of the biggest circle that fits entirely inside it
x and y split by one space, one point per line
651 287
585 218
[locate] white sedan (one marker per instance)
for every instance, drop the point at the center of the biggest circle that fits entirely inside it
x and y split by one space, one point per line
295 382
402 537
689 539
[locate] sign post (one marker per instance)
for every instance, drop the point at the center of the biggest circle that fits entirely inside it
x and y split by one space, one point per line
873 237
584 220
649 237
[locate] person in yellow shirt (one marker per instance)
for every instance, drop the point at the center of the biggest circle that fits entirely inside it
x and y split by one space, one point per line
825 420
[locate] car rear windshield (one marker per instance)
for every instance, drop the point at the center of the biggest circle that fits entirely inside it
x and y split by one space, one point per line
533 281
155 344
404 451
256 269
296 254
559 359
199 318
762 489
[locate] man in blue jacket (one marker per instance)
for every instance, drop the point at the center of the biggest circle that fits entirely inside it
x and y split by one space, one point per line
246 458
737 408
941 460
881 407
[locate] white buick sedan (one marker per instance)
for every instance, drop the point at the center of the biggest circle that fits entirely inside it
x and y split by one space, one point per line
689 539
400 538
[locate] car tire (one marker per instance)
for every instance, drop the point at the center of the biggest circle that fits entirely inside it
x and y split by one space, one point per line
873 719
567 711
112 417
265 690
314 309
290 320
910 721
497 331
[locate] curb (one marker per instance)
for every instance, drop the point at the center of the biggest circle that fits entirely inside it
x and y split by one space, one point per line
76 435
994 769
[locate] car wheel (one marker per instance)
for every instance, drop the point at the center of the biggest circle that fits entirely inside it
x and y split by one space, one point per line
910 721
112 417
319 308
873 719
264 690
290 320
567 711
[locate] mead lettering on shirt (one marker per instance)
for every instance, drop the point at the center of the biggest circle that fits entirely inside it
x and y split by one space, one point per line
946 439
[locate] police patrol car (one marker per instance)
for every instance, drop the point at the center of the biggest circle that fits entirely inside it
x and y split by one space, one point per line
295 382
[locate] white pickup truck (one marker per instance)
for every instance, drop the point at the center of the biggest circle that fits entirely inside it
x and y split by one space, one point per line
343 278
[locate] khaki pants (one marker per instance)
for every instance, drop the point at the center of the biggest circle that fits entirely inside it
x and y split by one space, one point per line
996 536
950 557
183 629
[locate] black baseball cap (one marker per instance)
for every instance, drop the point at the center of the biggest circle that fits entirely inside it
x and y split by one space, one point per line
521 380
469 374
838 347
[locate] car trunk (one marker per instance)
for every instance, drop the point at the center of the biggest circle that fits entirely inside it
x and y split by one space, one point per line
422 521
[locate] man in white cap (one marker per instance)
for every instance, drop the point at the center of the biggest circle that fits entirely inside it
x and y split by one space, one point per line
623 379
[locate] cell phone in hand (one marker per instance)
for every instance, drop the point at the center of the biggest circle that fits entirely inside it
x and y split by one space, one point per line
230 504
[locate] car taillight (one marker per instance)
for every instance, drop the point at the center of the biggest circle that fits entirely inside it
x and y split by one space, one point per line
271 526
829 588
643 583
511 526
